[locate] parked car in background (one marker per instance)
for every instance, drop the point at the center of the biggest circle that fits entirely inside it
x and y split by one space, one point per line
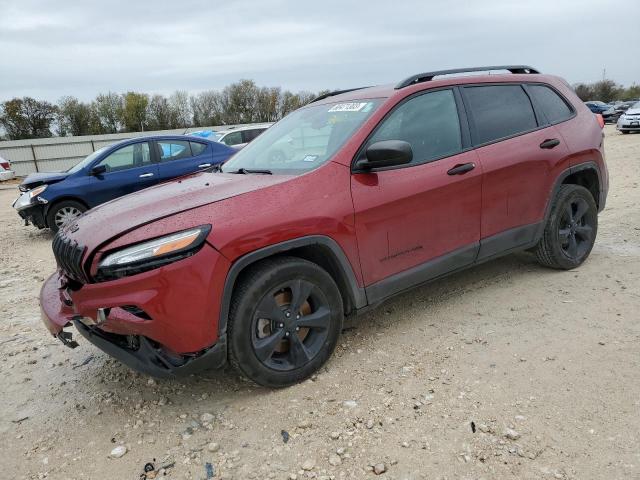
5 170
258 264
607 111
51 199
236 137
629 121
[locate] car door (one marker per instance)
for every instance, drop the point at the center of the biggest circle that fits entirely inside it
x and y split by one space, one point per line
180 157
419 220
126 170
519 157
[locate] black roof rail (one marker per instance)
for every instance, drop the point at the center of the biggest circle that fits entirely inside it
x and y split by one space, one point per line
428 76
335 92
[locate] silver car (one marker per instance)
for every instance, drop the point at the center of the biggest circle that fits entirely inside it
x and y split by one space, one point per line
629 121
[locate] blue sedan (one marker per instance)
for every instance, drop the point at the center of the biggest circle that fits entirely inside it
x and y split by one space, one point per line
51 199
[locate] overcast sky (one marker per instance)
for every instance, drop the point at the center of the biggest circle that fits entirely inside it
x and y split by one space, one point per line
51 48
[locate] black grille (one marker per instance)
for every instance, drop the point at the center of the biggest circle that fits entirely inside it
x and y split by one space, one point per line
69 257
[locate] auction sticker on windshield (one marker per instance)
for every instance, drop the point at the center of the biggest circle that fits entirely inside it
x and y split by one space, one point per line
348 107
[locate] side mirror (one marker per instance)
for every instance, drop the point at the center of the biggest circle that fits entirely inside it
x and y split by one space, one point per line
98 170
387 153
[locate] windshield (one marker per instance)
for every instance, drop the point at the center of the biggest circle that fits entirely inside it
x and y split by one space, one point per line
79 166
304 139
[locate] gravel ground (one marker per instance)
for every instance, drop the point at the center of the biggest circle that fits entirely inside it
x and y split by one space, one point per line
507 370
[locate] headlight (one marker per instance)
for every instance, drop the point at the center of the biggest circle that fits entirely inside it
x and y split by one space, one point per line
152 254
36 191
26 199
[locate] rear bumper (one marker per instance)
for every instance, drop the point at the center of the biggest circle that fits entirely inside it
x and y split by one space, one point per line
178 332
628 125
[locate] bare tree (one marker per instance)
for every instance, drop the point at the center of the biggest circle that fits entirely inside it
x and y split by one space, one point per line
180 109
207 108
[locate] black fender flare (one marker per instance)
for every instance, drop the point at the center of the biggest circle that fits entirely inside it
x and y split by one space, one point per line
590 165
357 294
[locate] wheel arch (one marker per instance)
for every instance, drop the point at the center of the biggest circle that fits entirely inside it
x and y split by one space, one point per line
319 249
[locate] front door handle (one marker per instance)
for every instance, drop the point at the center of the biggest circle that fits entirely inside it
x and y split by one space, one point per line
461 169
550 143
146 175
204 165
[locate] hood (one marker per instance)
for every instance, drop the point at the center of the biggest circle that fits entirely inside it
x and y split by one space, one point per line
633 111
124 214
37 179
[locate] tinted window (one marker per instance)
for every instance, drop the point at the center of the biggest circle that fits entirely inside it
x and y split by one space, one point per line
554 107
197 148
499 111
174 150
248 135
135 155
232 138
429 122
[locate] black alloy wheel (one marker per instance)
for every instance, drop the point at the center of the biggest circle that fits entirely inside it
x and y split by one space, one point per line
285 319
571 229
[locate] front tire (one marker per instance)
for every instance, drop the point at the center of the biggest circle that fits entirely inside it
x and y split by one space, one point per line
63 212
571 229
285 319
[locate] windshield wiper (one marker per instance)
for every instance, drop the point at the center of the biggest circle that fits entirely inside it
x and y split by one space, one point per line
246 171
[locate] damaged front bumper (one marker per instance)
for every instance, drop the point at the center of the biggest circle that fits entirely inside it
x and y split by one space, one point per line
136 350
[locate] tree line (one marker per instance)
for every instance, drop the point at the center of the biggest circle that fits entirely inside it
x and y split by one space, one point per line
606 91
240 102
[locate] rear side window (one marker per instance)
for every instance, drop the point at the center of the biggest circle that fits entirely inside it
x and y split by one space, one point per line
429 122
499 111
248 135
197 148
232 138
174 150
553 105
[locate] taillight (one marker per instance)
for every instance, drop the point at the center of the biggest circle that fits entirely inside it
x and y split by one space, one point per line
600 120
5 165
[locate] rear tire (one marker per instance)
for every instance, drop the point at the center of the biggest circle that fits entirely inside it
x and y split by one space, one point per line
62 212
571 229
624 132
285 319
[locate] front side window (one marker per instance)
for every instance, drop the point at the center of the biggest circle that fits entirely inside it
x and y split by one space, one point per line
304 139
135 155
174 150
499 111
553 106
428 122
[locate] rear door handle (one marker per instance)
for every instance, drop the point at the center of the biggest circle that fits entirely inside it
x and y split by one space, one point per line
204 165
461 169
550 143
146 175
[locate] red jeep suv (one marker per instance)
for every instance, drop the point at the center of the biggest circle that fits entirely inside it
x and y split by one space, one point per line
358 196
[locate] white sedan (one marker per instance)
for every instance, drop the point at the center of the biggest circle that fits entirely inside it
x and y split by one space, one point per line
5 170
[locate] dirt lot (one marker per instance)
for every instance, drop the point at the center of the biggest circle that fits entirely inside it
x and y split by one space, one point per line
543 365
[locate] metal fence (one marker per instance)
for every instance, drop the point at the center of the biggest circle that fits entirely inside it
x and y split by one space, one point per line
61 153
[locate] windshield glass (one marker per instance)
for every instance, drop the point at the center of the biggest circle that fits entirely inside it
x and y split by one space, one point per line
304 139
83 163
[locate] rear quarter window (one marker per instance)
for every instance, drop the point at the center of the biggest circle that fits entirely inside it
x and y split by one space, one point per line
553 106
499 111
